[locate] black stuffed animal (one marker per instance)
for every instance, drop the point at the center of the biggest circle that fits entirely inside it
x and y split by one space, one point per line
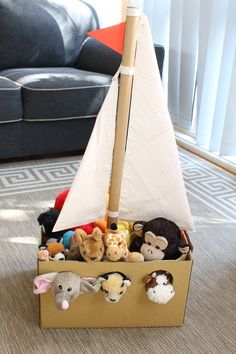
161 239
47 220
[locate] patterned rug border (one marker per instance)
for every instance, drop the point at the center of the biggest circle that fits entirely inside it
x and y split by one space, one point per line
209 184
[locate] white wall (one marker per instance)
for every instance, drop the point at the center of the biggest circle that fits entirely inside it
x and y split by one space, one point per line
108 11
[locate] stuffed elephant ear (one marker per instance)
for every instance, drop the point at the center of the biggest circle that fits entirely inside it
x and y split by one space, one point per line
44 282
89 285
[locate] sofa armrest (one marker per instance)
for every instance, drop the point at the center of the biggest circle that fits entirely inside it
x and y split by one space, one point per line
95 56
160 54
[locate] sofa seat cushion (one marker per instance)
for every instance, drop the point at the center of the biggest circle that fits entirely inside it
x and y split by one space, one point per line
59 93
10 101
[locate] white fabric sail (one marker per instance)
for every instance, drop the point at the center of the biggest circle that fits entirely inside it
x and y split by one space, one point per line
152 184
86 201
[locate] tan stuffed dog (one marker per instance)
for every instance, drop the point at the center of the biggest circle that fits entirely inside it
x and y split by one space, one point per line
91 247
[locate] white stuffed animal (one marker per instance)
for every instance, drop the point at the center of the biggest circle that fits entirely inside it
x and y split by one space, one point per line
159 286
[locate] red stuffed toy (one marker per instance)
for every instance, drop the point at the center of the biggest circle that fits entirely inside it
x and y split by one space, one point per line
59 202
60 199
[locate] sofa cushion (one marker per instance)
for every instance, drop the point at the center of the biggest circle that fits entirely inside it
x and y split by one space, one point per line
39 33
10 101
59 93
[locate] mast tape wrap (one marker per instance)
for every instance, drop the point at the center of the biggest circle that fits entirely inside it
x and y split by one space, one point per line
113 214
133 11
127 70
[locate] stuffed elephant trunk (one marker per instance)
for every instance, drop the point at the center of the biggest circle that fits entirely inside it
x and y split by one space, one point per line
62 301
66 288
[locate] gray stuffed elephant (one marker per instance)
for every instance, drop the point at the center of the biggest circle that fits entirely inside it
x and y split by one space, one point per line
66 286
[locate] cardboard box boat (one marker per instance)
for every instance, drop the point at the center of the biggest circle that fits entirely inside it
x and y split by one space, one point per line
122 109
133 310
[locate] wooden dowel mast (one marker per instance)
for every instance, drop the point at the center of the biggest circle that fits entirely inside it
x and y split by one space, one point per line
123 108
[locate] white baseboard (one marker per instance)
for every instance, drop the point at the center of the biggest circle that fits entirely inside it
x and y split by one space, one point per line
188 143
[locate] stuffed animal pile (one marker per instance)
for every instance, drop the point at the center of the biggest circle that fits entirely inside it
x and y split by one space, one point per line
156 239
83 243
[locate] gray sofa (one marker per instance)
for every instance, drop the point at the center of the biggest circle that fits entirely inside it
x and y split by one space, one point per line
53 78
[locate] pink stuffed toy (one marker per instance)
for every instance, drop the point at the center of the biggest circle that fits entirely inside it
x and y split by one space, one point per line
43 255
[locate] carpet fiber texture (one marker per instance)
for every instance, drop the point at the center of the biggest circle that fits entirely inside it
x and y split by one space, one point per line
28 188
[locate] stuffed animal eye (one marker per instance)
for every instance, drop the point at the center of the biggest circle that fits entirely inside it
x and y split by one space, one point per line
149 243
69 289
157 247
60 287
106 291
121 293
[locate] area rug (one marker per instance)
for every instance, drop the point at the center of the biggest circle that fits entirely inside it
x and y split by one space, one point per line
28 188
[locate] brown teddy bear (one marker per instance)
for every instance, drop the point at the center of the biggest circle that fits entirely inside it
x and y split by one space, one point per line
91 247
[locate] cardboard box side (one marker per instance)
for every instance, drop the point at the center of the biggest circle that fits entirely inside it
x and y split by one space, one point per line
133 310
189 258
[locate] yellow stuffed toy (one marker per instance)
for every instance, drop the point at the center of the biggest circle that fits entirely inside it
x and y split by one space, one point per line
116 246
114 285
